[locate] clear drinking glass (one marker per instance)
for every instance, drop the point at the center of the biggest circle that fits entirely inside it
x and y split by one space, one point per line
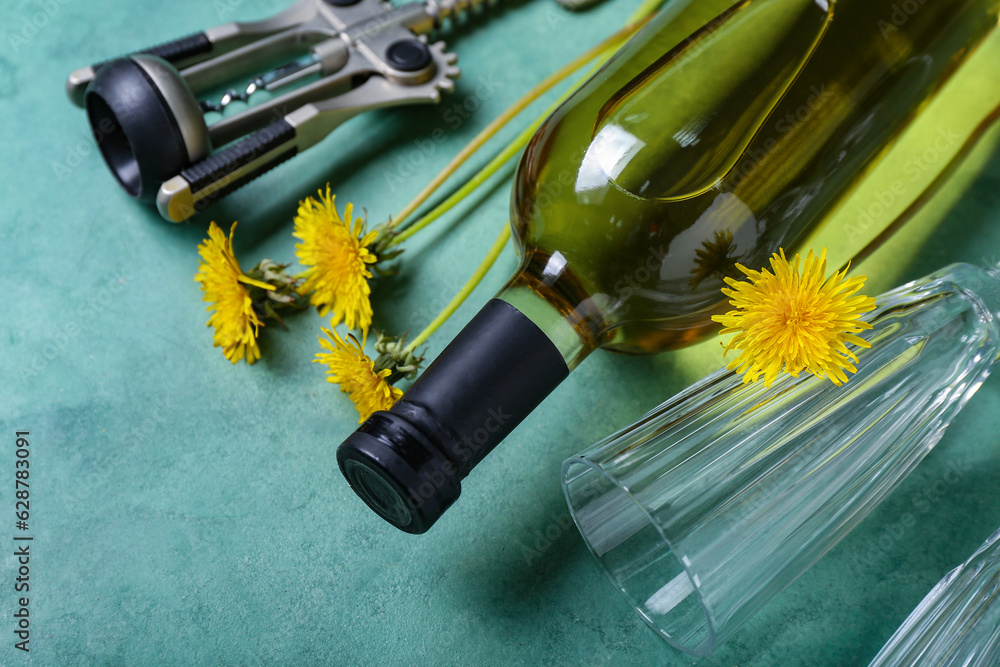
958 623
708 506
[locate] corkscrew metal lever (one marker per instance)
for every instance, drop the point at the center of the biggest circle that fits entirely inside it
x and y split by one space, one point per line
151 127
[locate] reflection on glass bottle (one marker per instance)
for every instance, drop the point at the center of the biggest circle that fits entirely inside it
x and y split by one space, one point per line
720 133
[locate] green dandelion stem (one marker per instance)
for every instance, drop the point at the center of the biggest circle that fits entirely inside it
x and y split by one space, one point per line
500 121
466 290
602 52
510 150
472 184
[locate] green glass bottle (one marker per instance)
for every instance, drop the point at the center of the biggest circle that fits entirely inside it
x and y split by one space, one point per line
718 134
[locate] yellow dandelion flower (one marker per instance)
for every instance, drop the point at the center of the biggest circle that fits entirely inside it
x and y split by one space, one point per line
224 284
348 366
337 256
789 321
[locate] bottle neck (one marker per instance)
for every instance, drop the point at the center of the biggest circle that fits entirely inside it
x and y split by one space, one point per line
407 463
559 329
544 292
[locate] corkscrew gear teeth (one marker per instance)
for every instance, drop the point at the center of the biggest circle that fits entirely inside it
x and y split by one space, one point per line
347 57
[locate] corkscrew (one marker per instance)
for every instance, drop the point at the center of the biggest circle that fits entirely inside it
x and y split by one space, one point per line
151 126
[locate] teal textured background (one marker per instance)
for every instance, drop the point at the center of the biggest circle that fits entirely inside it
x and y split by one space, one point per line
186 511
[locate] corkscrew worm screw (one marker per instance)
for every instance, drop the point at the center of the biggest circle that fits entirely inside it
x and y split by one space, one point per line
360 54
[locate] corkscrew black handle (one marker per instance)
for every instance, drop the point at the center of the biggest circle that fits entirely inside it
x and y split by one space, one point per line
218 175
196 44
188 50
175 51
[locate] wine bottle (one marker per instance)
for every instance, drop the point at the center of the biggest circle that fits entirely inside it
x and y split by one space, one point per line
718 134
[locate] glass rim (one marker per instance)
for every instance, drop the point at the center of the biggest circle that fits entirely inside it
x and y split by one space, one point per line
703 648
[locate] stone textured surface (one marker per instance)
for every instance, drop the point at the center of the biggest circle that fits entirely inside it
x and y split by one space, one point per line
189 512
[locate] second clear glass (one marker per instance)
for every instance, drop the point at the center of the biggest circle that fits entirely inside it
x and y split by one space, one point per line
958 623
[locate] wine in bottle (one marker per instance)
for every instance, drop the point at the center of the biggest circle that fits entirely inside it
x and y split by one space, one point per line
718 134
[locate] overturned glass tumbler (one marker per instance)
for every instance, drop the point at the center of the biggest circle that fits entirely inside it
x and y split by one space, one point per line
707 507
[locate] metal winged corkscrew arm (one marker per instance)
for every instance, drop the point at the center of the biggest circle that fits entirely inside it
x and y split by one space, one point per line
359 55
